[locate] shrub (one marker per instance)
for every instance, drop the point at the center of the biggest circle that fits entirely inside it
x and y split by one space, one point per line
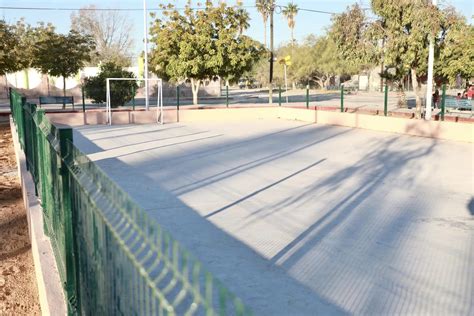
121 92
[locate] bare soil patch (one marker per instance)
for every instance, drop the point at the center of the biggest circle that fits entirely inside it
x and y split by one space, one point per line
18 290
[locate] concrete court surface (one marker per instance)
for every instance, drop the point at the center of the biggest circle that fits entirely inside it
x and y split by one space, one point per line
304 219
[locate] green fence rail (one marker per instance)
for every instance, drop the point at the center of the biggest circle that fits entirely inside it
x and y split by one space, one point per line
112 258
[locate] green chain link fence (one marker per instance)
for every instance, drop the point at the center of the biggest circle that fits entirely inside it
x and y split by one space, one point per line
112 259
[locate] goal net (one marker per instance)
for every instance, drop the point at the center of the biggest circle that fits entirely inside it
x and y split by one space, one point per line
115 89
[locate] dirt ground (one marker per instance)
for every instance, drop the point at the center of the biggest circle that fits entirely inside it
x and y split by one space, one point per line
18 291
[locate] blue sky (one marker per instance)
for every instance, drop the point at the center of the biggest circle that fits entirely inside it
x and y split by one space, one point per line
306 22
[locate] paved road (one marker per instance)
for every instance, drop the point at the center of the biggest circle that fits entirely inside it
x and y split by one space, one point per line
298 219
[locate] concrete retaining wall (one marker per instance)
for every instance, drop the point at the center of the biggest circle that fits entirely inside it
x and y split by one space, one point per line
51 295
456 131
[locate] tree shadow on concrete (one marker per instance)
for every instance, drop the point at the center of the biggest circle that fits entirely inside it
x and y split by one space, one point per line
272 286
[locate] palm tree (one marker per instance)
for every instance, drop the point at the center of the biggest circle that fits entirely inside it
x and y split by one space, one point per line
243 20
264 7
290 12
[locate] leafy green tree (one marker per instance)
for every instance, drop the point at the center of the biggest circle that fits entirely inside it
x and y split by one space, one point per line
121 91
351 33
290 12
407 28
243 20
62 55
456 49
201 44
314 60
8 46
399 37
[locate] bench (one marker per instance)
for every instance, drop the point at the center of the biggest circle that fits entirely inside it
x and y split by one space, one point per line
56 100
461 105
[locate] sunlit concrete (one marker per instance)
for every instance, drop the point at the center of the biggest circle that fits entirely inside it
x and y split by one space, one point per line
299 219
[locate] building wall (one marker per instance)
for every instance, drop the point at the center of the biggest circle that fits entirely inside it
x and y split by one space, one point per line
33 84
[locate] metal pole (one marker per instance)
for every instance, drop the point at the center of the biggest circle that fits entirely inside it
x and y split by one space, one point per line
385 103
270 86
429 83
83 100
145 71
177 97
443 104
161 102
307 96
11 101
286 86
133 98
108 105
227 95
342 97
279 95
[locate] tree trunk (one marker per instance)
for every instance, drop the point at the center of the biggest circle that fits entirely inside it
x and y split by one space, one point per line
64 91
265 34
327 81
195 89
47 80
320 83
417 90
402 99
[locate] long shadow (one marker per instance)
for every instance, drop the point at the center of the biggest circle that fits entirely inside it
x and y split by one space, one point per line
248 273
147 141
263 189
221 148
128 134
252 164
265 289
337 214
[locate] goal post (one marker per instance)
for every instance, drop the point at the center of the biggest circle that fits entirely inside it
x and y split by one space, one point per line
159 97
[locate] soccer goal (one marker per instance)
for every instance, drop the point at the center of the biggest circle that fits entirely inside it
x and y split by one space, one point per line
159 97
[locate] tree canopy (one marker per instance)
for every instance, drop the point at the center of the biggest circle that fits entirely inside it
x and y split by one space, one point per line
8 45
120 91
62 55
312 61
202 44
398 37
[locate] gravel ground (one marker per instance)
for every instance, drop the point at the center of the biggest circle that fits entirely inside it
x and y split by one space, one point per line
18 291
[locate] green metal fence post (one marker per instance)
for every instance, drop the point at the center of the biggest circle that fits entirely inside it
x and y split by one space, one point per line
177 103
65 136
342 97
279 95
177 97
11 100
22 125
307 96
385 102
227 95
443 102
133 97
83 100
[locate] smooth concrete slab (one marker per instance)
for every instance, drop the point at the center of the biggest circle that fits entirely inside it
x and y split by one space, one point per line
301 219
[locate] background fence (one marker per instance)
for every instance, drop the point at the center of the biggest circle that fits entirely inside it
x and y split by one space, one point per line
112 259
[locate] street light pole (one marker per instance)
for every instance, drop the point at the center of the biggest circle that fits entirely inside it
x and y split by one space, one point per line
429 83
270 92
145 70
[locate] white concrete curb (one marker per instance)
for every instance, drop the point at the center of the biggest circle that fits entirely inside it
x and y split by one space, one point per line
50 290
